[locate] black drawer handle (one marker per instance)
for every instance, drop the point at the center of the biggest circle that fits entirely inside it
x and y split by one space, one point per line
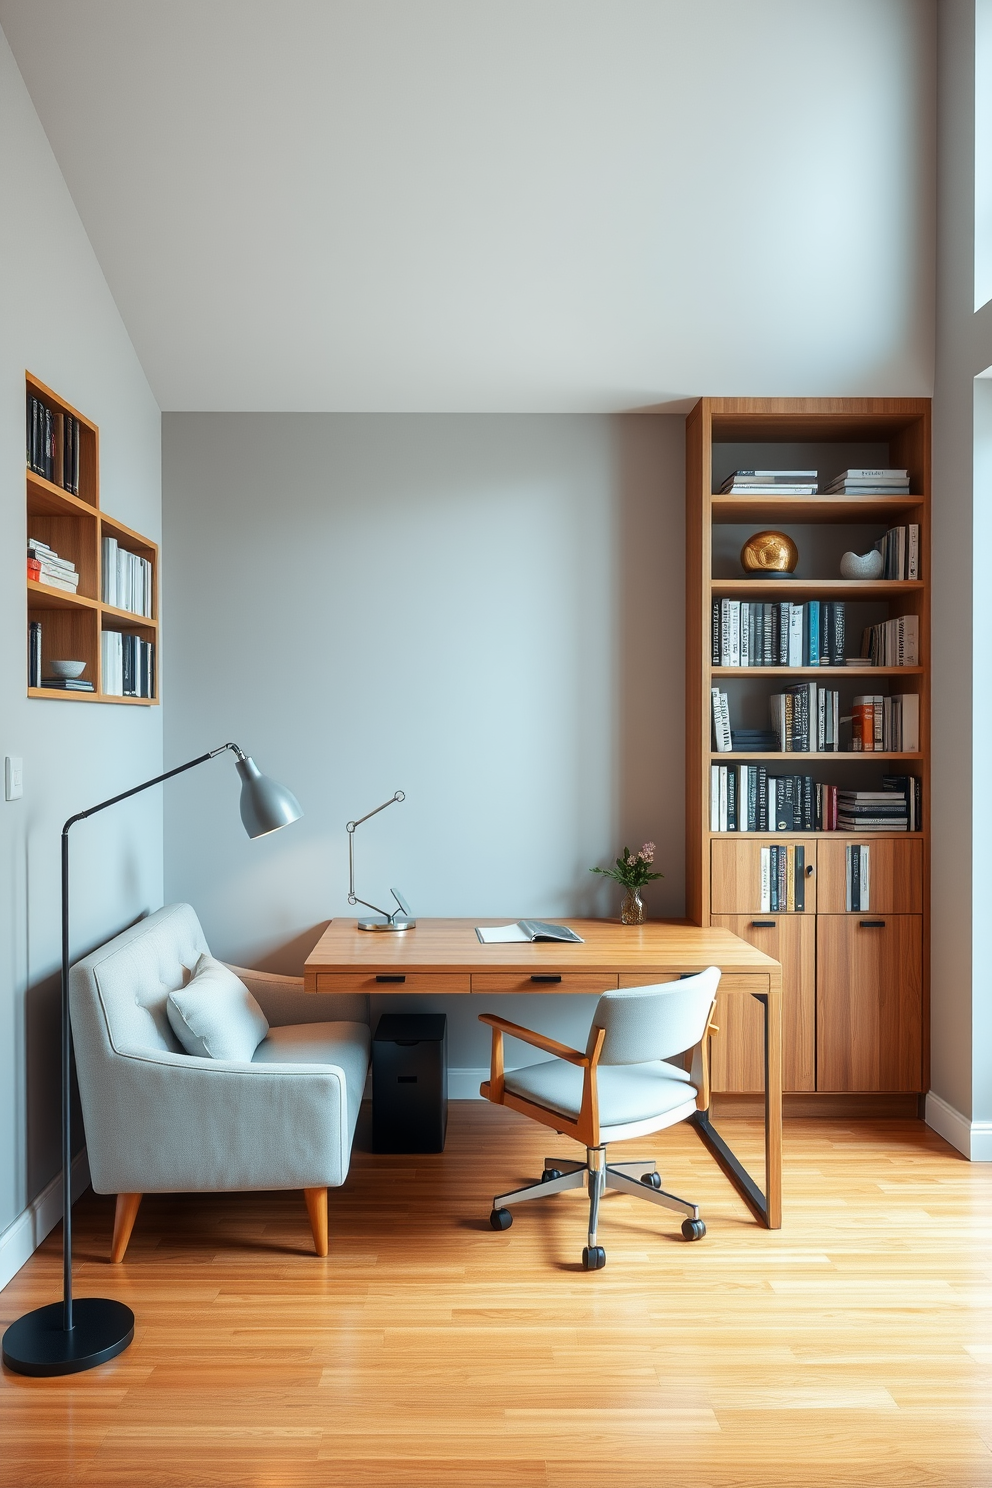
400 978
872 924
406 1079
545 978
763 924
809 870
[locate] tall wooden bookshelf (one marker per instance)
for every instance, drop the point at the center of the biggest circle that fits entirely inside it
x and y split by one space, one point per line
74 525
856 984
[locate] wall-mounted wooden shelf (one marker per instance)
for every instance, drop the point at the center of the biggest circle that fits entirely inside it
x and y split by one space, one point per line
74 526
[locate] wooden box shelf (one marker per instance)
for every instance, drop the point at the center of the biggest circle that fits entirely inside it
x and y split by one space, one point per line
856 1005
75 527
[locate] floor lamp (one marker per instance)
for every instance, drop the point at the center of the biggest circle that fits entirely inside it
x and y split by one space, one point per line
66 1337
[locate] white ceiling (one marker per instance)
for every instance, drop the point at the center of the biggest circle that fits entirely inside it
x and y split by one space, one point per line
498 204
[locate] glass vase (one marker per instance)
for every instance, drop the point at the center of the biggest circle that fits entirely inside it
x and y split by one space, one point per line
632 908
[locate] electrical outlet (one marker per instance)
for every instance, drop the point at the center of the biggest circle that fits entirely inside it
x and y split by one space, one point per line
14 777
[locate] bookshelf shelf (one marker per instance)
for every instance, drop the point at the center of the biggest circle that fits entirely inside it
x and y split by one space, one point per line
72 524
776 589
856 1006
729 510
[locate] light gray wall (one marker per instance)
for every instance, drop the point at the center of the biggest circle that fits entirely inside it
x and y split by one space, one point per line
60 322
485 611
962 879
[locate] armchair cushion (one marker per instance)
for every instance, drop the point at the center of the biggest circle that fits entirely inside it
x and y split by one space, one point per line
628 1093
214 1015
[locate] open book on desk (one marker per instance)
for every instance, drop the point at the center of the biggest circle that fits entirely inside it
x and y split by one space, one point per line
525 930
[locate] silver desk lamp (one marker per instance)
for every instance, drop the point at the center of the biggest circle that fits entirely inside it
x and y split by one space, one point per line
400 919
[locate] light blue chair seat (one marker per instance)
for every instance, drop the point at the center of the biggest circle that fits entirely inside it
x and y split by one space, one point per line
629 1094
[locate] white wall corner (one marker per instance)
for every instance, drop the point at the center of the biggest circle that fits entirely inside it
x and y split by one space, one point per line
973 1138
21 1238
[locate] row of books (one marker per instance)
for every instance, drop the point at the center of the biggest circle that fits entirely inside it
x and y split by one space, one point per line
783 879
53 445
882 481
127 579
863 481
886 723
900 550
747 798
892 642
778 633
806 719
128 665
35 678
46 567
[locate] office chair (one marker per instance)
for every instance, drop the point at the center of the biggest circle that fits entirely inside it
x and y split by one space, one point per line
621 1087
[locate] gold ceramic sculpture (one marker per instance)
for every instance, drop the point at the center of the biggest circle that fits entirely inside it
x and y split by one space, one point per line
770 554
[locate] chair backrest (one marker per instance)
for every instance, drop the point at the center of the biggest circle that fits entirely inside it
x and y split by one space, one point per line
118 993
647 1023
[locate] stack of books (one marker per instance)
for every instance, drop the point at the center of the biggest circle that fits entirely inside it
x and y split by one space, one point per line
910 787
46 567
900 550
754 741
783 880
866 482
67 684
127 579
770 483
893 642
871 811
806 719
778 633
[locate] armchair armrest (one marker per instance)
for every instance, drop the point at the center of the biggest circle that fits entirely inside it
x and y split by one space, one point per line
283 1000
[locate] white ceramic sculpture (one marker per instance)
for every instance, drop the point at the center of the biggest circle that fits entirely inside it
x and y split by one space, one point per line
861 566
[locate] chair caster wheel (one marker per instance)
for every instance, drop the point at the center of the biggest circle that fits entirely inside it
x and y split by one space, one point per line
651 1180
593 1257
549 1174
501 1219
693 1229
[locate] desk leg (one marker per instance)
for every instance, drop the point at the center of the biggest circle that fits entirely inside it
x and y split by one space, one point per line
767 1208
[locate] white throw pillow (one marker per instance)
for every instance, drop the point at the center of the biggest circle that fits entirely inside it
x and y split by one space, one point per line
215 1015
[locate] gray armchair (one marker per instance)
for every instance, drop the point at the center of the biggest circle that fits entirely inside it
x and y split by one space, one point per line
159 1120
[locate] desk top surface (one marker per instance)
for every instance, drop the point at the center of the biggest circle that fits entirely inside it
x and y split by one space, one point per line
453 946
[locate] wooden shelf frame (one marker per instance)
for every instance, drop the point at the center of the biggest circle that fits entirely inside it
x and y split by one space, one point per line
901 424
75 526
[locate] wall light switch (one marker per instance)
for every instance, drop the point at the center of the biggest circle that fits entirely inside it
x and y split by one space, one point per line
14 777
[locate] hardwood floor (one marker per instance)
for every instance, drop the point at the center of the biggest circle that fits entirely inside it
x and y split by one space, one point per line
852 1347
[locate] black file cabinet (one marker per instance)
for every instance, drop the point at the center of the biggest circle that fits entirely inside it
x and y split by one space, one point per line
410 1082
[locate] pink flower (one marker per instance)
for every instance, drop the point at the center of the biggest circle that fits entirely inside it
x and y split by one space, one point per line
646 853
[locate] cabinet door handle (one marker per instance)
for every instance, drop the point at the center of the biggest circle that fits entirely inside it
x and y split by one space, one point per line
809 870
872 924
399 978
546 978
763 924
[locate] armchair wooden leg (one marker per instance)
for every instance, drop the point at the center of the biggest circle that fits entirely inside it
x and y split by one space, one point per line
124 1217
317 1209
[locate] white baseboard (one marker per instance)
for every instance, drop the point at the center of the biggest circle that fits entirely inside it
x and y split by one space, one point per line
21 1238
463 1084
973 1138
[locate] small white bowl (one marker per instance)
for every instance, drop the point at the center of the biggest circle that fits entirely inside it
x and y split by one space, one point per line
862 566
66 669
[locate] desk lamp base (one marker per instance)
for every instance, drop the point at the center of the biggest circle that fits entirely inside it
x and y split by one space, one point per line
388 924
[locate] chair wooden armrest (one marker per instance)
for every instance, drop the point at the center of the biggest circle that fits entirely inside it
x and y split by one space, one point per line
529 1036
586 1129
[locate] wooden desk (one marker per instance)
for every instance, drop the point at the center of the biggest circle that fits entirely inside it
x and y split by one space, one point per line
447 956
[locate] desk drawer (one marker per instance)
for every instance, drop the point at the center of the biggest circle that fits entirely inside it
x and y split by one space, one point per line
395 981
546 981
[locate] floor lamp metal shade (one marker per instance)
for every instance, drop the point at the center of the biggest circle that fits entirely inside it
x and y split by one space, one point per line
265 804
68 1336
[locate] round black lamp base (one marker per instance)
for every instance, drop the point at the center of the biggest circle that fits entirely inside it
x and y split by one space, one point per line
38 1344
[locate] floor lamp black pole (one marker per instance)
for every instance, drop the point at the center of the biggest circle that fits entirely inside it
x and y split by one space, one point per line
66 1337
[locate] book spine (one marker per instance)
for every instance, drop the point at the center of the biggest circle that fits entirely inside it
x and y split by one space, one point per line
795 635
790 879
864 899
715 634
714 798
766 880
800 879
761 793
723 798
731 799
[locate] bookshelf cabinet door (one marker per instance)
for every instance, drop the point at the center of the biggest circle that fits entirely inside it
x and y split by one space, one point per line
738 1057
896 883
869 1002
736 875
